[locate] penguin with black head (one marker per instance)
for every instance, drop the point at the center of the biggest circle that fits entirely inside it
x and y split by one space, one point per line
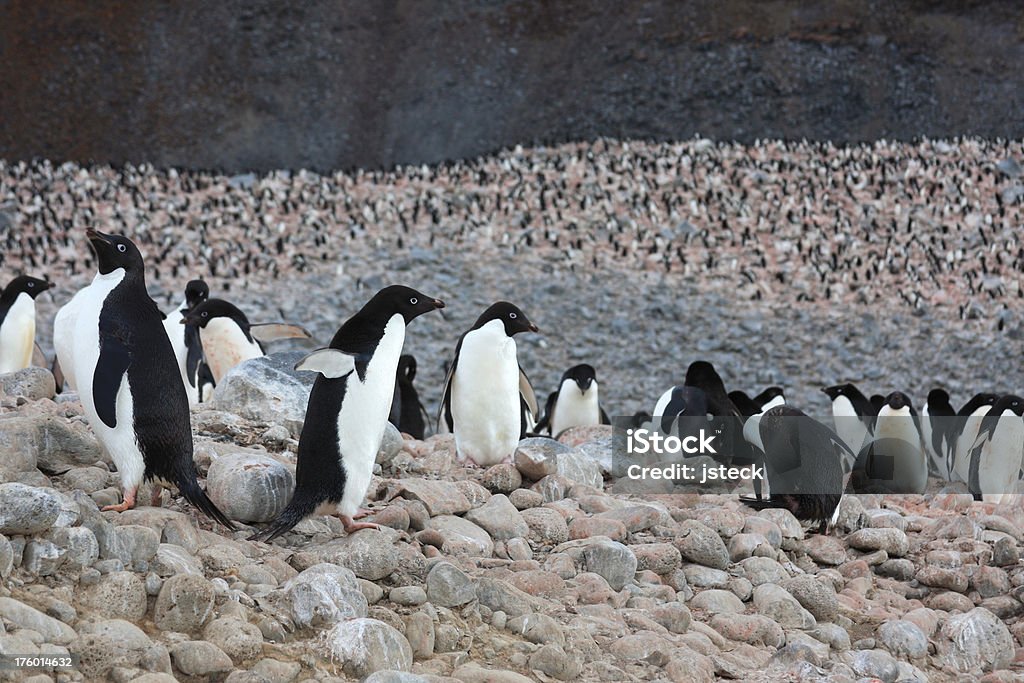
895 459
348 409
488 402
852 414
407 411
18 322
128 379
995 457
188 349
965 432
575 403
937 425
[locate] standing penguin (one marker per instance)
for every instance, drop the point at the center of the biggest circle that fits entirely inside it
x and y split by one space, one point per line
487 397
937 426
575 403
188 349
407 412
348 409
994 459
18 322
727 418
965 432
229 339
128 379
851 412
895 460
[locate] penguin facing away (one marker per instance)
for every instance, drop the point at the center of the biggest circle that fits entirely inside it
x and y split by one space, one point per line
128 379
998 449
575 403
188 349
937 426
348 409
18 322
407 412
487 397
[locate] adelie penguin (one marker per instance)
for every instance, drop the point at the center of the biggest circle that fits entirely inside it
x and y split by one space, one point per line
965 432
128 379
348 409
894 459
407 412
994 459
804 464
575 404
18 322
852 413
938 422
188 349
228 338
487 400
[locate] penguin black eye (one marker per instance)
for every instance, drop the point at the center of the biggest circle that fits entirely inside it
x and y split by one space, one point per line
414 301
121 248
512 315
205 314
31 284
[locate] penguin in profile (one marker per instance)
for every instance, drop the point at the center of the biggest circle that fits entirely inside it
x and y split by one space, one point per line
804 464
407 412
937 426
994 459
348 410
128 379
727 419
852 414
228 338
968 424
487 400
895 459
681 408
766 400
188 349
575 403
18 322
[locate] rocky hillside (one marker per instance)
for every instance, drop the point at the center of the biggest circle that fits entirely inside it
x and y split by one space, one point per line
539 570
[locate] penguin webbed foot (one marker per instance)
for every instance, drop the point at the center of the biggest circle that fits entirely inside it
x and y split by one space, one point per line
126 504
351 526
362 512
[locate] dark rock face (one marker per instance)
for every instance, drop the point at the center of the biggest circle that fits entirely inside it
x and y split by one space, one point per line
260 85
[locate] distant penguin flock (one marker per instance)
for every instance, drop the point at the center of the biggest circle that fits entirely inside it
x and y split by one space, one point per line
137 371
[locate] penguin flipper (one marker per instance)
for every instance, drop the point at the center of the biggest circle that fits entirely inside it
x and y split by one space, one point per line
193 353
526 391
444 411
115 358
58 375
331 363
268 332
604 417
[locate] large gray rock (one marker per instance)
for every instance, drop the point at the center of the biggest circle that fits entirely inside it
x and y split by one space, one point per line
185 603
579 467
103 645
27 509
249 487
52 444
816 596
976 641
199 658
439 497
780 606
449 586
31 383
462 537
364 646
499 518
118 595
321 596
701 545
267 389
903 639
612 560
23 616
498 595
237 639
368 552
537 457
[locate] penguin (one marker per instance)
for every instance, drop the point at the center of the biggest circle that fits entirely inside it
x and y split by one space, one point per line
727 420
487 398
228 338
64 324
348 409
968 424
851 413
407 412
895 459
188 349
744 403
575 403
994 459
18 322
876 401
937 423
680 408
766 400
804 464
128 379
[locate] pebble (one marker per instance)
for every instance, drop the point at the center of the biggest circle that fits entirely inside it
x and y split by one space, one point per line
893 541
250 487
185 603
199 658
449 586
499 518
699 544
27 509
364 646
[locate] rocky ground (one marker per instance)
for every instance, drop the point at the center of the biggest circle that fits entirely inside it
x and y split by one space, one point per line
534 571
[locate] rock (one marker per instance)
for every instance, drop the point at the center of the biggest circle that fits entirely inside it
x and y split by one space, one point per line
25 617
742 546
877 664
439 497
449 586
388 676
775 603
391 444
6 557
524 499
419 631
816 596
31 383
88 479
118 595
976 641
199 658
903 639
587 527
699 544
717 601
825 549
363 646
276 671
140 543
537 457
537 628
185 604
553 661
763 570
42 557
250 487
674 616
104 645
892 541
266 387
546 526
990 581
321 595
27 509
474 673
498 595
499 518
369 553
237 639
462 537
749 628
940 577
171 559
408 596
52 444
578 467
502 478
610 559
660 558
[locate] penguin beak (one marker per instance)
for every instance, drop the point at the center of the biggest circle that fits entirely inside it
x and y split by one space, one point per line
534 328
438 303
96 236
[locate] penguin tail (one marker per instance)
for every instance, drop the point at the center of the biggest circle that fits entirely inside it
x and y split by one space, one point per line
298 509
194 494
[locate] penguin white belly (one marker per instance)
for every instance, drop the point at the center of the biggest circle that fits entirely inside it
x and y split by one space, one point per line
119 442
1000 459
485 396
574 408
18 335
964 443
225 346
849 427
896 437
64 342
176 333
364 415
